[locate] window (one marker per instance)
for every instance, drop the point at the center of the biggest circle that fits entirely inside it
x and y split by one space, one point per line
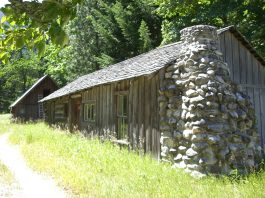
66 110
59 111
46 92
122 114
89 112
40 106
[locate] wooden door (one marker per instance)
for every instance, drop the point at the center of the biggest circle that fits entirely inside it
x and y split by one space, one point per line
76 113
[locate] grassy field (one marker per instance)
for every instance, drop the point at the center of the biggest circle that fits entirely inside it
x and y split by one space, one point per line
90 168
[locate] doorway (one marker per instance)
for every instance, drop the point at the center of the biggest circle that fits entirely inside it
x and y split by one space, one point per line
76 110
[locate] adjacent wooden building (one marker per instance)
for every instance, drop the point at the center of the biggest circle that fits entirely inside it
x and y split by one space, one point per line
122 99
27 107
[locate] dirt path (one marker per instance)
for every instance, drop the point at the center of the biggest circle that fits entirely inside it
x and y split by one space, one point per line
9 190
31 183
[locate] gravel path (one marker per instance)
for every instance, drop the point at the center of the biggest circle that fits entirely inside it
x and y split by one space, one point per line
10 190
32 184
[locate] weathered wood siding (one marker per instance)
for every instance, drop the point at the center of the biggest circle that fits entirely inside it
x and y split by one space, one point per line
249 72
143 118
30 103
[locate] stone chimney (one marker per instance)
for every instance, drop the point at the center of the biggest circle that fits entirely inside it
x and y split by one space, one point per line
207 125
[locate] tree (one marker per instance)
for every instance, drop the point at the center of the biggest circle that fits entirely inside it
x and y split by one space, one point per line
32 23
145 40
247 15
105 32
57 63
17 76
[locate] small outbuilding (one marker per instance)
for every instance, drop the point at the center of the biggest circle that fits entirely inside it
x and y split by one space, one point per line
188 103
27 107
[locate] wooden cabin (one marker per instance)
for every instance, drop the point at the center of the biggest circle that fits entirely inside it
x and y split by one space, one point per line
122 99
27 107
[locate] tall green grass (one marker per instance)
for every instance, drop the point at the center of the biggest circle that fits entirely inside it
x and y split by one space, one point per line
94 169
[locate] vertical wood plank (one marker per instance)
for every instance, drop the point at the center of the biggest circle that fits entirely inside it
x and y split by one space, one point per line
222 44
249 69
70 114
262 115
111 109
263 71
262 74
105 110
235 48
141 112
255 71
147 116
108 107
115 109
130 113
104 106
152 135
257 108
101 109
229 53
153 116
243 64
97 111
135 114
157 119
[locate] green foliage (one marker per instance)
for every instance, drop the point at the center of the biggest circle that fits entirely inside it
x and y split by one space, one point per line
25 68
32 23
92 168
17 76
247 15
105 32
145 40
57 62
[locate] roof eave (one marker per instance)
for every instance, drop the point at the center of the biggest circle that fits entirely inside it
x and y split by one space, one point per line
244 41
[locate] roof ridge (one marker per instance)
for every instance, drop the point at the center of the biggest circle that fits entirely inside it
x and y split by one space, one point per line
244 41
28 91
142 64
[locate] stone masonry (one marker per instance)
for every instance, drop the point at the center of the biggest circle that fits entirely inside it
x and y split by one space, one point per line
207 124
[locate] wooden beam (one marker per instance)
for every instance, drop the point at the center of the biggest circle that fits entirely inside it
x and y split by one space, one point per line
121 92
76 96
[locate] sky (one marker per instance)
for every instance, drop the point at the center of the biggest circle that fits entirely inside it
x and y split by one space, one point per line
3 2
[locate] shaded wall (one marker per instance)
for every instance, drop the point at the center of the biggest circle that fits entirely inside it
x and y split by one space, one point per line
28 108
247 71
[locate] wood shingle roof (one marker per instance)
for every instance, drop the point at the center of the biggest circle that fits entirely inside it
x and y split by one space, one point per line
140 65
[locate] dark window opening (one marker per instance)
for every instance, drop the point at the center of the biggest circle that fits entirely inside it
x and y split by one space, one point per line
46 92
65 110
89 113
122 115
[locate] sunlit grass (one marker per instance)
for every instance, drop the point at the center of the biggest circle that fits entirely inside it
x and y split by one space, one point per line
4 123
5 175
91 168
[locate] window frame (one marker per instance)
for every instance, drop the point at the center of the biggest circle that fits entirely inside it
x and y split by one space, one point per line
89 111
59 111
123 117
